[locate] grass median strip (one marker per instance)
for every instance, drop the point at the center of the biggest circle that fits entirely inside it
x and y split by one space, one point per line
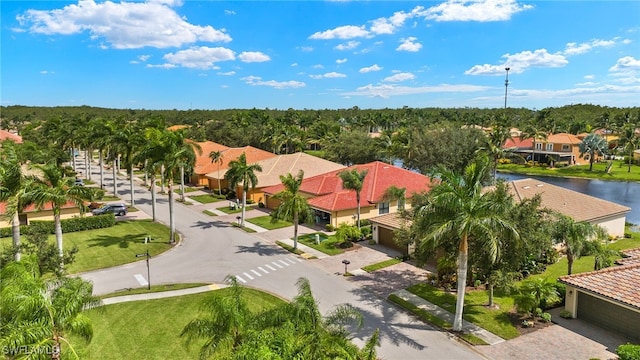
154 289
420 313
265 222
289 248
381 265
205 199
328 244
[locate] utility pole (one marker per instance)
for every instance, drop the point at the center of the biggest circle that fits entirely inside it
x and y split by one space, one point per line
506 86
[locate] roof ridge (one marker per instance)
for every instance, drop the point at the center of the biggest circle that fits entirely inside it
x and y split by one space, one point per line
601 271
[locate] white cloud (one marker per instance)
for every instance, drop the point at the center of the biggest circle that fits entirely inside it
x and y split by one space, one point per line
389 90
409 44
329 75
348 45
294 64
306 48
382 26
257 81
126 25
46 72
200 57
341 32
144 58
520 62
588 83
626 70
473 10
371 68
318 66
162 66
589 77
341 61
401 76
228 73
229 12
573 48
253 56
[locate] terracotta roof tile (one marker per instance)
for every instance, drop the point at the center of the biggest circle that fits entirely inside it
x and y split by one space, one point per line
631 256
563 138
393 220
619 283
579 206
6 135
517 142
203 162
32 208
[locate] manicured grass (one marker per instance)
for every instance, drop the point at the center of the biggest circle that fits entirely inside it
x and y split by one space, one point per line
617 172
210 213
381 265
327 246
420 313
187 189
205 199
109 198
289 248
112 246
246 229
265 222
151 329
154 289
475 309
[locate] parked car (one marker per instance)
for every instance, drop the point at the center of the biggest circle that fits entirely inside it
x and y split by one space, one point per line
117 209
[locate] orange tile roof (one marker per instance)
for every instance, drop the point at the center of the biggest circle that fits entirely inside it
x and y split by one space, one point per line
618 283
579 206
253 155
518 142
563 138
32 208
631 256
6 135
203 162
329 194
391 220
178 127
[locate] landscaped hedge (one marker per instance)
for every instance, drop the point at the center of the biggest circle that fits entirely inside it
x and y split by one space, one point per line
628 352
68 225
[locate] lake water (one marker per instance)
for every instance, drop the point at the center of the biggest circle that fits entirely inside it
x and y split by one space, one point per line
623 193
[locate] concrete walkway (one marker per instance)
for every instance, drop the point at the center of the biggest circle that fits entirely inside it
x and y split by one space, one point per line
443 314
162 294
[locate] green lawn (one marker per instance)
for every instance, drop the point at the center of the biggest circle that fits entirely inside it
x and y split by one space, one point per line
475 309
228 210
210 213
154 289
381 265
618 172
205 199
327 244
265 222
112 246
151 329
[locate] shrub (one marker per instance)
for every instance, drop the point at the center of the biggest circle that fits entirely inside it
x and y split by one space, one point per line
628 352
329 227
365 222
565 314
68 225
546 317
627 235
527 323
261 204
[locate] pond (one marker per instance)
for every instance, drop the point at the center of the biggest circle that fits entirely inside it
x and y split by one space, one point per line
623 193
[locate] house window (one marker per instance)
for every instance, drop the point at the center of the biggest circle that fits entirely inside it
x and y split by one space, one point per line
538 146
549 147
383 208
401 202
566 147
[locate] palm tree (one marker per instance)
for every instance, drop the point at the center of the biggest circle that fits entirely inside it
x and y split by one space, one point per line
536 133
56 190
293 206
354 180
38 314
536 293
153 154
457 208
217 158
393 193
593 145
13 184
242 173
573 235
129 140
630 141
187 151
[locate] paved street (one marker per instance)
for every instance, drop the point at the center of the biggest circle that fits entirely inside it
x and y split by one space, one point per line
211 249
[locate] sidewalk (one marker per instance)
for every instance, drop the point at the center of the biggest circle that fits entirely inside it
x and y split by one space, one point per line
162 294
468 327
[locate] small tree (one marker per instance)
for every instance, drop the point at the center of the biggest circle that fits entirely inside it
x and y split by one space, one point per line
573 235
354 180
293 206
593 145
535 294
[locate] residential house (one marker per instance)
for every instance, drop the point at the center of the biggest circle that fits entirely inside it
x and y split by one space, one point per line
7 135
636 156
609 297
563 146
210 172
275 166
203 164
334 205
32 213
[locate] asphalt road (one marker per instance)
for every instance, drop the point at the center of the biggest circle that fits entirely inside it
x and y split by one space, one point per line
211 250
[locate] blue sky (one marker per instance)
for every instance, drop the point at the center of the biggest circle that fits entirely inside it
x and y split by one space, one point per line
172 54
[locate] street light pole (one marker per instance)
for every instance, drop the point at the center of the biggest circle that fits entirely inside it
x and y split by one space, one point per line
506 85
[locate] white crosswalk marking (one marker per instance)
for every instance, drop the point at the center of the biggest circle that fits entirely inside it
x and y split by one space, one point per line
298 259
263 270
255 272
270 267
241 279
278 265
291 261
284 262
141 280
249 276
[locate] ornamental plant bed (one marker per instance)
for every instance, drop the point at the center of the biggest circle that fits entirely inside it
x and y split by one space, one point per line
518 322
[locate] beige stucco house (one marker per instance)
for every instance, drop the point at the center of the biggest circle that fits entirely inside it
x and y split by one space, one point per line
31 213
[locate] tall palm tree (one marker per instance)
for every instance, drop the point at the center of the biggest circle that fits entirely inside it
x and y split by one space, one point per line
593 145
240 172
354 180
186 153
457 209
217 158
129 140
13 184
394 193
532 131
153 154
56 190
39 314
573 236
630 141
293 206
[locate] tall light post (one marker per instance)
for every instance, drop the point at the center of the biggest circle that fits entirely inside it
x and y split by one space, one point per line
506 86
